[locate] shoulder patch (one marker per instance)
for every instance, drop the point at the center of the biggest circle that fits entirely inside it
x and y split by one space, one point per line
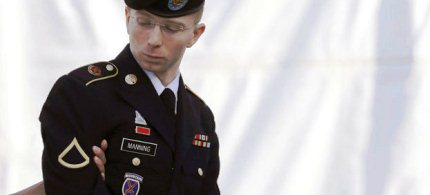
102 71
193 93
91 73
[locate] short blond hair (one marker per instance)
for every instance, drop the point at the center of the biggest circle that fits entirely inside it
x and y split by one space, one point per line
198 15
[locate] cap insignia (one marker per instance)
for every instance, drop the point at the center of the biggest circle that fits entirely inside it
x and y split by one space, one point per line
176 5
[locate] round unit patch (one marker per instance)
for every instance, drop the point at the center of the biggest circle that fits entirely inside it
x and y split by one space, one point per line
176 5
94 70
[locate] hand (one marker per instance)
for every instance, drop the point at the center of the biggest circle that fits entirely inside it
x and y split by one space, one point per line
100 158
36 189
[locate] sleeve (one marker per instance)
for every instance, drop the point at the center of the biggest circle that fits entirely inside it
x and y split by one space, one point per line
70 121
210 185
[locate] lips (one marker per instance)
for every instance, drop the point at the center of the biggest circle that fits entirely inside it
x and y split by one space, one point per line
153 58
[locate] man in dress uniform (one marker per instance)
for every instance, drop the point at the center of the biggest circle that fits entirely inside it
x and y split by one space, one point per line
161 135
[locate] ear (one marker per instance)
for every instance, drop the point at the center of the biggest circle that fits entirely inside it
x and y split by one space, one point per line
198 31
127 18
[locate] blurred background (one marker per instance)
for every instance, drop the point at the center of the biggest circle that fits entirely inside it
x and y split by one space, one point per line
311 97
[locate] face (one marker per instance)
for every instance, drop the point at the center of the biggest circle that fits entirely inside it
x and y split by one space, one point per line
159 48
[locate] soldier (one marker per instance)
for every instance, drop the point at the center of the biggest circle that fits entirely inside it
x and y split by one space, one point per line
161 135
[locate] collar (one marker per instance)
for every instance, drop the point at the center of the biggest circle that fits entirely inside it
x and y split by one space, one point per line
159 87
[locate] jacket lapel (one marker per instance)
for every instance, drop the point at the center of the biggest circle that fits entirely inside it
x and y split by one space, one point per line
187 123
143 96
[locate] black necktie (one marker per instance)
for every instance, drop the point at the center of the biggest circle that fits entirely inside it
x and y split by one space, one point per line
169 100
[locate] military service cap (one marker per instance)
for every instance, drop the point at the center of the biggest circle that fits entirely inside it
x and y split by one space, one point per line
167 8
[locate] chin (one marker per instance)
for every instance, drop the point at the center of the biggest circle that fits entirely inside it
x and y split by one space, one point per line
153 67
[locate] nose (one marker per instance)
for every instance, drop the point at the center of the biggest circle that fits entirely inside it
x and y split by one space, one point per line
155 37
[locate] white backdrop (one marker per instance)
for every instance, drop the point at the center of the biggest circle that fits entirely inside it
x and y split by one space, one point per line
311 97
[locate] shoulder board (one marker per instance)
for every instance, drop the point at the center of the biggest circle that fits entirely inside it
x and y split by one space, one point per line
193 93
96 72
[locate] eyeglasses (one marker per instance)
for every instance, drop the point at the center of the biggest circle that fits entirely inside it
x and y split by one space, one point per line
168 28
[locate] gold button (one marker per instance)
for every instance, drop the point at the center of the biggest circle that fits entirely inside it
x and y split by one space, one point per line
109 67
136 161
131 79
200 171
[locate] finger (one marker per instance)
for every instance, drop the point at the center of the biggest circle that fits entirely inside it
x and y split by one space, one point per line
100 165
104 145
100 154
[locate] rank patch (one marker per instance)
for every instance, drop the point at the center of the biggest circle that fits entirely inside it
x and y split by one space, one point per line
73 144
201 141
139 119
143 130
138 147
131 184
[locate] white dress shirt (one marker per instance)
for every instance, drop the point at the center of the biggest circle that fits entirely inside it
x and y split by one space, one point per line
159 87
